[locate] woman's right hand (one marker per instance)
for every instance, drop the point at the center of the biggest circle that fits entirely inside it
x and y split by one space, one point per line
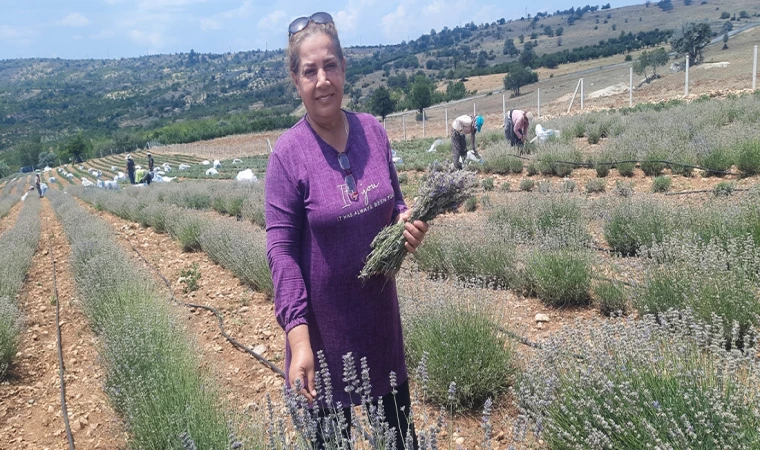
301 362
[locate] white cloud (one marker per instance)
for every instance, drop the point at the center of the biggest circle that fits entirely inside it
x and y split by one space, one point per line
209 24
153 39
241 12
15 33
274 21
74 20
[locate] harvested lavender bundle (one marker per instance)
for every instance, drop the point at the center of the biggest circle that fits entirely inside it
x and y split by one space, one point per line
442 191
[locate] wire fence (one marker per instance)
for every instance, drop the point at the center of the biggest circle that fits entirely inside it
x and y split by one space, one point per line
612 86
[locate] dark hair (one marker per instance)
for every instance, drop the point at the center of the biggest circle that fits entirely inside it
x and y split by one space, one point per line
312 29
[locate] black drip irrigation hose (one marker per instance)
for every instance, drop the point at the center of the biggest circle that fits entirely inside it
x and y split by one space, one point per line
61 367
219 318
704 191
633 161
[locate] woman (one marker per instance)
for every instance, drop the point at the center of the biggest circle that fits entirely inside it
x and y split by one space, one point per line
461 126
330 188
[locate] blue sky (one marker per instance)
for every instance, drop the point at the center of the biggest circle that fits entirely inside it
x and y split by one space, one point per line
126 28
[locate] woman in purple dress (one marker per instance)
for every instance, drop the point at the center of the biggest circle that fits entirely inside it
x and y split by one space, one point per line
331 186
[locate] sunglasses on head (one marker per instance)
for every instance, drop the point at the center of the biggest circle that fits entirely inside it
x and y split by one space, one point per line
302 22
349 178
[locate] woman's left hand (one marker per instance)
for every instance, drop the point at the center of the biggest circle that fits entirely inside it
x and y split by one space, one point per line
414 232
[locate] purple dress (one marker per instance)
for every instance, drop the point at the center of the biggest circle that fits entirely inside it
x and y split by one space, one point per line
318 238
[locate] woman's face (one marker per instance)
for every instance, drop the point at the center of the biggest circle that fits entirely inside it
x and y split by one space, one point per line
320 78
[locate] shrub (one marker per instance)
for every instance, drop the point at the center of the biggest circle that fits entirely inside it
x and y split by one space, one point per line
487 184
568 186
602 170
595 185
462 346
403 178
625 169
532 169
526 184
189 277
560 277
641 384
633 224
594 135
718 281
719 159
661 184
505 186
471 204
609 297
578 128
10 331
545 186
187 230
624 189
515 165
724 189
651 166
748 158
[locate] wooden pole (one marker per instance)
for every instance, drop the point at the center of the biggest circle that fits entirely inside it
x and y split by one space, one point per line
504 105
423 124
538 103
581 94
403 125
574 94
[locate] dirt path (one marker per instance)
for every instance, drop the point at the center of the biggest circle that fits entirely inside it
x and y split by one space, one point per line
30 407
248 315
8 221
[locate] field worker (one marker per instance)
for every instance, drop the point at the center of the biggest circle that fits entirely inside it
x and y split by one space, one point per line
462 125
331 186
516 125
131 169
150 162
147 178
37 184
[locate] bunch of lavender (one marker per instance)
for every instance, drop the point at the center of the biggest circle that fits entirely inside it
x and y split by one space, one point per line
442 191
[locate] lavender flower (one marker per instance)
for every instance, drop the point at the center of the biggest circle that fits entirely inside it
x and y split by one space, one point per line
442 191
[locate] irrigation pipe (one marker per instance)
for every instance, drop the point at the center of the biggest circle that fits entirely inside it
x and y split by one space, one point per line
634 161
703 191
61 368
219 318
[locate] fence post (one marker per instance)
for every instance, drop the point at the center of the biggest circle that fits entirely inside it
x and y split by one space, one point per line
503 105
581 94
403 124
446 123
423 124
754 71
686 88
473 109
538 103
630 89
383 123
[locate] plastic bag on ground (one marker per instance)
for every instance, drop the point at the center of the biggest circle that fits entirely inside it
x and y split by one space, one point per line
436 143
236 161
471 157
184 166
206 162
212 171
87 183
543 134
246 175
217 164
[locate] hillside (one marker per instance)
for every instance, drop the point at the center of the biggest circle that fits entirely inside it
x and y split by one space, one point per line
118 104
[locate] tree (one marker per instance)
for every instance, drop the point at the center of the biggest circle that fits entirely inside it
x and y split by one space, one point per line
743 15
665 5
455 91
4 169
518 78
725 15
691 39
78 148
653 60
29 151
559 31
420 96
509 48
46 159
381 104
727 26
725 41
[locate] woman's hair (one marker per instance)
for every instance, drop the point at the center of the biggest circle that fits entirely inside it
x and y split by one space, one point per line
312 29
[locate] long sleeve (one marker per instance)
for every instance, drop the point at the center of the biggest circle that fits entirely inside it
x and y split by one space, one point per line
285 217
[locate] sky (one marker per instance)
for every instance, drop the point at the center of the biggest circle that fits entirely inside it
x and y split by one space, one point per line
76 29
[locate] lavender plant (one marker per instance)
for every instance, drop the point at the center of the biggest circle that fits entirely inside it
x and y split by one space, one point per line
639 384
442 191
152 375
